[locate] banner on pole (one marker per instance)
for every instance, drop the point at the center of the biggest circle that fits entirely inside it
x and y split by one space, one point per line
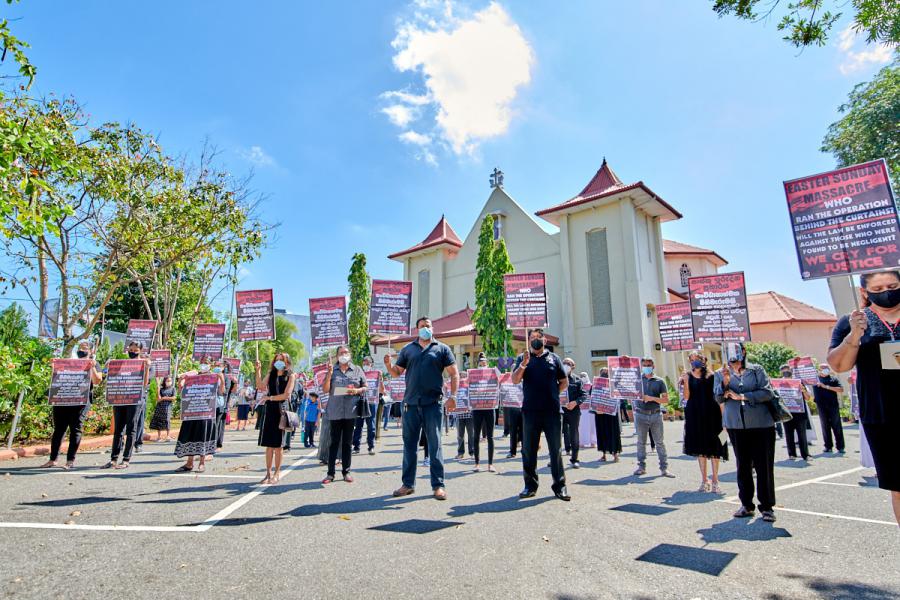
390 307
142 332
209 341
625 378
526 300
160 363
804 370
255 315
676 329
328 321
719 308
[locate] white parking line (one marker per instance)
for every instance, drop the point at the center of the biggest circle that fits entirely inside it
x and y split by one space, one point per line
852 485
133 474
788 486
75 526
827 515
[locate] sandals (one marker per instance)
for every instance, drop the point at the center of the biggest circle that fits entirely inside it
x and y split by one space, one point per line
122 465
266 481
615 458
184 469
201 468
603 458
704 488
491 469
48 465
743 513
69 465
109 465
715 489
768 516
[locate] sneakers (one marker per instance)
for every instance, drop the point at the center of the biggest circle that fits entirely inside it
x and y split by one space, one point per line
356 451
575 464
667 474
768 516
426 462
640 471
371 451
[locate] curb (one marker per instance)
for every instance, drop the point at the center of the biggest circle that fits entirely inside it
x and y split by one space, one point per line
44 449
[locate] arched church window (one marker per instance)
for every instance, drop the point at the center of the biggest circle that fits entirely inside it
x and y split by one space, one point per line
685 275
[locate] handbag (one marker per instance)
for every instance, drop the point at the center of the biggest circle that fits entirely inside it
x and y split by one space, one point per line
779 409
289 420
362 409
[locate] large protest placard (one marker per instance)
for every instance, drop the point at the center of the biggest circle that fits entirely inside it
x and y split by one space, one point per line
526 300
328 321
484 388
396 389
462 408
70 381
602 401
234 364
142 332
804 369
160 363
790 391
125 381
198 397
844 221
373 385
511 394
719 308
390 307
209 341
255 315
625 378
676 329
319 372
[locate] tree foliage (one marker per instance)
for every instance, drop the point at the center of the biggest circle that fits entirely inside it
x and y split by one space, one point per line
283 342
770 356
810 22
360 285
490 302
870 127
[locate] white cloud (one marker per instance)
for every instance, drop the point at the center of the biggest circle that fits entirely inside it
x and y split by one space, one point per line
414 137
867 55
472 69
257 156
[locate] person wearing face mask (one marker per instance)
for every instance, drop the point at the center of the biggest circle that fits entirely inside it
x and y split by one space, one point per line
424 361
703 422
869 340
279 384
72 417
543 379
346 389
744 390
825 394
609 430
197 438
483 423
571 412
371 421
798 423
137 350
222 401
162 414
128 421
648 419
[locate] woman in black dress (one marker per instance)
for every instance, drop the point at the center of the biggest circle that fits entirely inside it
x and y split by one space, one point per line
278 383
609 431
197 438
703 422
162 414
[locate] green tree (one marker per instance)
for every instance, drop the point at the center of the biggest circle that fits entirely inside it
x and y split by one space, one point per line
490 304
13 326
770 356
283 342
358 320
870 127
810 22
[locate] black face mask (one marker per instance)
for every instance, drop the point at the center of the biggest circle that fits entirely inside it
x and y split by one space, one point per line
537 344
132 354
885 299
81 354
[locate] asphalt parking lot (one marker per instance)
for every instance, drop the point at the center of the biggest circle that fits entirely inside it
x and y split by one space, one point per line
147 532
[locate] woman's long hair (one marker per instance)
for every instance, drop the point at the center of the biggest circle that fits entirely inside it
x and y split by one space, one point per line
704 373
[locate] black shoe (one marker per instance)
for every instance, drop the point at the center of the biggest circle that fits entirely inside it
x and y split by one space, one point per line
562 494
137 449
526 493
356 451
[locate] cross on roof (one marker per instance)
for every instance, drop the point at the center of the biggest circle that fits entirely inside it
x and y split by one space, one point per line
496 178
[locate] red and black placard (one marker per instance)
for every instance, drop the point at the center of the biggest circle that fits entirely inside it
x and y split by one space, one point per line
198 397
328 321
676 329
390 307
209 341
160 363
526 300
719 308
70 382
142 332
255 315
125 381
484 388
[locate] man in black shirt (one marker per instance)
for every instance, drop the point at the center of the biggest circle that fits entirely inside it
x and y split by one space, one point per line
543 378
571 419
825 393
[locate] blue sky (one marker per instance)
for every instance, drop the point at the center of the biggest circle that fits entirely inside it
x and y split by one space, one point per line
712 114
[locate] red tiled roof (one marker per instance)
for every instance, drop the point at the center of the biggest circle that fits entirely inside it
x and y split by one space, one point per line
456 324
676 294
772 307
673 247
606 183
441 234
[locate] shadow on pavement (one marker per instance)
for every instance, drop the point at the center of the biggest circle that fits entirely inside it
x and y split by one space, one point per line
627 480
840 590
73 501
360 505
701 560
416 526
740 529
682 498
497 506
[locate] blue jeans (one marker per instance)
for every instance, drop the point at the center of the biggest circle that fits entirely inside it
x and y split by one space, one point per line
415 419
370 429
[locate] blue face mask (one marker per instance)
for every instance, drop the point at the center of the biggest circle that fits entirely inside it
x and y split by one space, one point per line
217 370
425 333
697 364
647 370
279 364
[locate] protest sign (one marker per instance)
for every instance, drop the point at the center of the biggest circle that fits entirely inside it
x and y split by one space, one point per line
462 408
160 363
125 382
526 300
484 388
676 330
803 369
390 307
373 383
396 389
319 372
511 394
719 308
625 378
602 401
844 221
255 315
328 321
198 397
70 381
209 341
142 332
790 391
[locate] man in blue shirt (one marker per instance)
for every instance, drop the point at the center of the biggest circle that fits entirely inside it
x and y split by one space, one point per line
424 361
310 418
543 379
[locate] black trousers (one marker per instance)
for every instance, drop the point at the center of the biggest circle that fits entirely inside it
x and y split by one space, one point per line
533 424
830 419
341 437
71 418
515 429
125 418
309 434
465 428
798 424
570 421
220 427
483 422
754 450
